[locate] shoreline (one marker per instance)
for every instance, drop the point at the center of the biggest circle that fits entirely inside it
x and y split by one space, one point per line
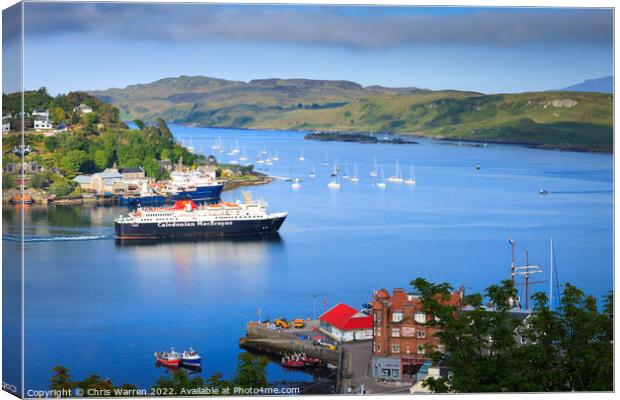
438 138
39 197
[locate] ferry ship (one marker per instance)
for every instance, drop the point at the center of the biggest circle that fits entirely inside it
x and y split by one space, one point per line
186 219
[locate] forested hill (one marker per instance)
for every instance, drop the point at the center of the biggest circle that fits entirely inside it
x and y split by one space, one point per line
568 120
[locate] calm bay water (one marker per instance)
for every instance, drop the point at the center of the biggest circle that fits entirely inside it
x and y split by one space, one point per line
99 307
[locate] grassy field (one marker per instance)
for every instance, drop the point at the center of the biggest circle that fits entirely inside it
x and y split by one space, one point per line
568 120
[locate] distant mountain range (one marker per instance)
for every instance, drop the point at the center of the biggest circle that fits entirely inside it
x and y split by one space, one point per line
600 85
576 121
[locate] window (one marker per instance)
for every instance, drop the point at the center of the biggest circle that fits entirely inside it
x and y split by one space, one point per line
420 318
408 331
395 348
397 316
377 347
421 333
378 316
420 349
523 340
377 331
395 332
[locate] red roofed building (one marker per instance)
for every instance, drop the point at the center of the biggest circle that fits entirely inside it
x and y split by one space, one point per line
346 324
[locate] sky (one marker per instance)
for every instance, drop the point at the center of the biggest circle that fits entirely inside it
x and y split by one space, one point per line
81 46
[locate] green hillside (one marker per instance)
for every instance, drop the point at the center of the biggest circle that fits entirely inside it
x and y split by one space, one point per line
568 120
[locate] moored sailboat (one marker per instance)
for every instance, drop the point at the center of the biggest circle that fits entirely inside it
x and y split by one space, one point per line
398 178
354 178
411 180
381 183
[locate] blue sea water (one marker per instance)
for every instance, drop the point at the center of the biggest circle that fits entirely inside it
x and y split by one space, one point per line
99 307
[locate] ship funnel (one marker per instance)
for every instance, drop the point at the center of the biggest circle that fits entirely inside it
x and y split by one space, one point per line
247 197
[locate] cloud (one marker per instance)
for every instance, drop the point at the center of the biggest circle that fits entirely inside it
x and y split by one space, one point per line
322 26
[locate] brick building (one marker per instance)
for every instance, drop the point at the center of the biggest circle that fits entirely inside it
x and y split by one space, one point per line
402 339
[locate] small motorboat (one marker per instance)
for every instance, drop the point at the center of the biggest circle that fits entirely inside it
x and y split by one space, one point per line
543 192
171 359
191 358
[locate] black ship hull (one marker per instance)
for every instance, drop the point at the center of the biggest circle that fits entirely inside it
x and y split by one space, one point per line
196 229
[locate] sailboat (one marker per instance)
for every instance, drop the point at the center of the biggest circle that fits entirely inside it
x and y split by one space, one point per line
346 171
235 149
354 178
301 156
398 178
313 173
244 156
381 183
325 163
411 180
217 144
334 184
275 157
296 185
374 172
336 169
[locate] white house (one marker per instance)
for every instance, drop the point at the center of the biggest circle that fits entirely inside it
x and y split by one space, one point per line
42 125
345 324
41 114
6 126
83 109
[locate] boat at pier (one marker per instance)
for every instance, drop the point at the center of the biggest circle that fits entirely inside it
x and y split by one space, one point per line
186 219
193 186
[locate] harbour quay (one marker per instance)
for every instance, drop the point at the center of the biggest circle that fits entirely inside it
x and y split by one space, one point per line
265 337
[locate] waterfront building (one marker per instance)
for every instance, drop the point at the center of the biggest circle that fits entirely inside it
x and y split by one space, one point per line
132 173
346 324
110 180
208 170
402 338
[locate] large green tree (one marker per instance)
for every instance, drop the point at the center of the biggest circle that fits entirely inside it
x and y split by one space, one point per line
568 349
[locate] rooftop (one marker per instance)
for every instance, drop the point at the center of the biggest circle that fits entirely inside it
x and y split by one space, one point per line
345 318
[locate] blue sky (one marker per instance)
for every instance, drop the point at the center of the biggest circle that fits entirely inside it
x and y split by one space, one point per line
97 46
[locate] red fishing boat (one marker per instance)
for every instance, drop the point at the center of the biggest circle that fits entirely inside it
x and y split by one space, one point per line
171 359
293 362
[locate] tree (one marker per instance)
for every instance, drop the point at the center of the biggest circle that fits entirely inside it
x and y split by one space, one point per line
61 380
37 181
568 349
152 169
61 188
103 159
8 181
177 381
139 124
72 161
250 371
57 114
